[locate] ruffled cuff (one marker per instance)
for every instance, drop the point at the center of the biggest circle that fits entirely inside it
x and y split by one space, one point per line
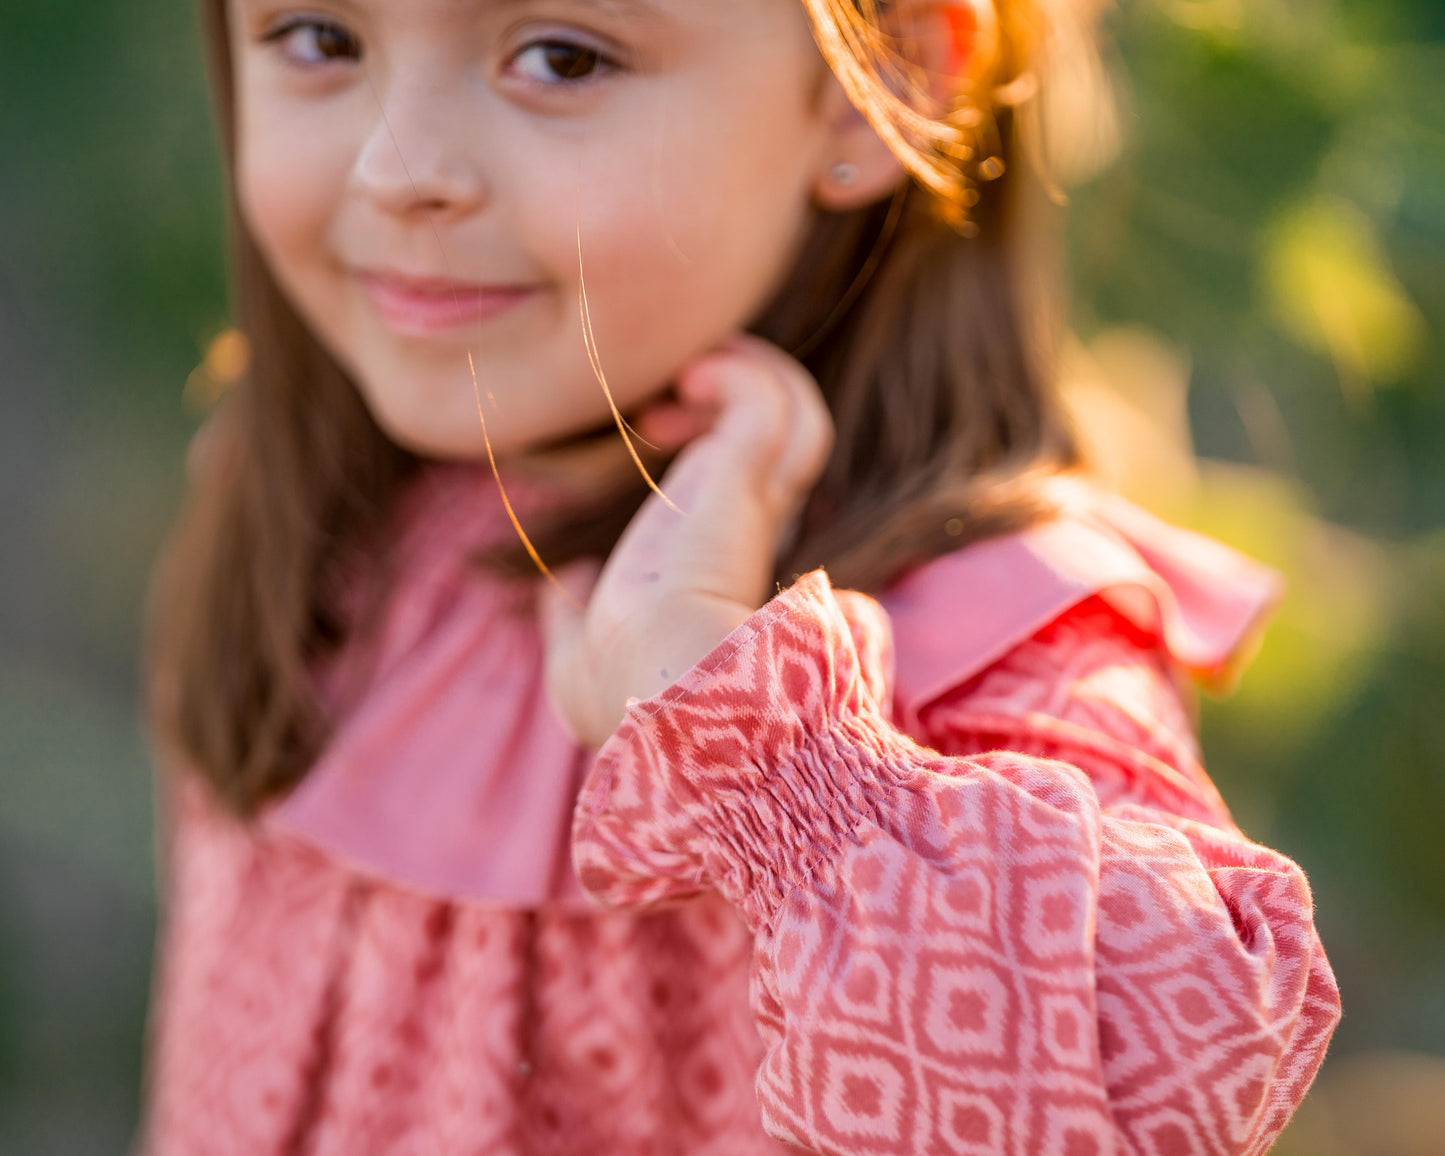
752 768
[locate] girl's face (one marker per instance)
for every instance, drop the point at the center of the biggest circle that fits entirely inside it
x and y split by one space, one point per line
417 171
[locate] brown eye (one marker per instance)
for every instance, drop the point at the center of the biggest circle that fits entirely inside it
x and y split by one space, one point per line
559 62
316 42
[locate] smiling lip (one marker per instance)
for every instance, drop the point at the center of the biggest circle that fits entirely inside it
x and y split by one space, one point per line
423 306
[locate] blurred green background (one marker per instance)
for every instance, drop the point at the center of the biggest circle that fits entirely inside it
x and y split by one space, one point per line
1259 290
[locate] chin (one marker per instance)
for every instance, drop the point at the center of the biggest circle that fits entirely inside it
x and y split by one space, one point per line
427 439
438 418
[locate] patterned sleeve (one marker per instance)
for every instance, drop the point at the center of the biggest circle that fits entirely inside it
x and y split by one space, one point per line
964 949
1093 690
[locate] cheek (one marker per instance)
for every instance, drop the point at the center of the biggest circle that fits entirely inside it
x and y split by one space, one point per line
288 183
687 230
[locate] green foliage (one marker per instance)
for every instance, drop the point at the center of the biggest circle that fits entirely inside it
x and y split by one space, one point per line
1279 213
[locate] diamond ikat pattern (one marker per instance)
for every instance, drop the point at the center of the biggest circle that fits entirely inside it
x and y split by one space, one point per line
962 948
1027 928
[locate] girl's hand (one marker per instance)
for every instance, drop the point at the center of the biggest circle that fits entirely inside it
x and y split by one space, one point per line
757 434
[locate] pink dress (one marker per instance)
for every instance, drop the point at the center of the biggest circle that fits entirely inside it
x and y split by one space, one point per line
936 873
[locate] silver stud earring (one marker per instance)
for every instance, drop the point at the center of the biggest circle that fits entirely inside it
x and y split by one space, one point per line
843 173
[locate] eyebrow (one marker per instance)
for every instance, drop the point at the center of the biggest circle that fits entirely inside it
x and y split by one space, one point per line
645 9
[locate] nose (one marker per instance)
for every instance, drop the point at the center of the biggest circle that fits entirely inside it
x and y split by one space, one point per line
416 161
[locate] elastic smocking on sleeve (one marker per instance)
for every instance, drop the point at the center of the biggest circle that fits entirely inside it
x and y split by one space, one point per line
757 764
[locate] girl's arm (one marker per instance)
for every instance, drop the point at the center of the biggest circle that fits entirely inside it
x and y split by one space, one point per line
997 953
1060 947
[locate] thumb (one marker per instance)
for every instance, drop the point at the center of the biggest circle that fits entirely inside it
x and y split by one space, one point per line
561 613
562 602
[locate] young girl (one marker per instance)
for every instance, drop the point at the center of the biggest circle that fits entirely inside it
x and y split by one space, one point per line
687 845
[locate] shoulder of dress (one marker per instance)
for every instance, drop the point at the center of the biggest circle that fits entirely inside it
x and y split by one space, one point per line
958 614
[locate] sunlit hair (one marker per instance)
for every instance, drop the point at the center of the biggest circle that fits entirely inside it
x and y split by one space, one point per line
943 142
928 320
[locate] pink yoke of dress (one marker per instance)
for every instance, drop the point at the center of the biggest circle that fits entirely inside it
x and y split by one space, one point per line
938 873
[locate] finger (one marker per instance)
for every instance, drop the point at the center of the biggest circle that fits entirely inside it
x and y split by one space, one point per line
809 433
809 423
773 419
669 425
752 405
562 604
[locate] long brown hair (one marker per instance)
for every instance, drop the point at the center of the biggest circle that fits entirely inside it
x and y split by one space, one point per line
931 339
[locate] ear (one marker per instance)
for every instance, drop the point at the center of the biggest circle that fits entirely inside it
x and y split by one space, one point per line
944 52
